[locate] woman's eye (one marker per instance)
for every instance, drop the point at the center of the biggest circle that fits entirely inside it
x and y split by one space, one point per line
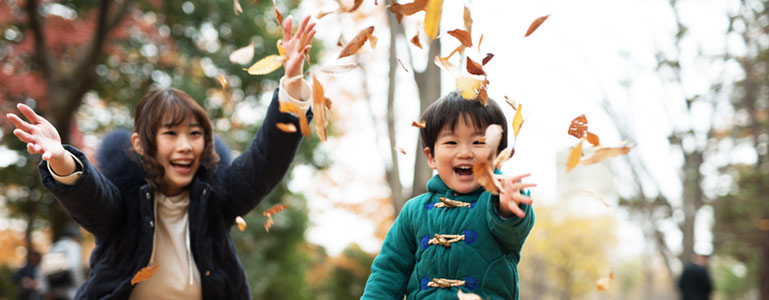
196 132
169 132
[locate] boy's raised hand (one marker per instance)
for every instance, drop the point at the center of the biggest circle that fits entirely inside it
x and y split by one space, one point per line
296 47
42 138
510 196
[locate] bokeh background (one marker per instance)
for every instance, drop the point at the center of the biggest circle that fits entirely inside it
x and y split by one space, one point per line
685 81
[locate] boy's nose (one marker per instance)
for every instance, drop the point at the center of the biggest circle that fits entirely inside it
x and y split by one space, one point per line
465 152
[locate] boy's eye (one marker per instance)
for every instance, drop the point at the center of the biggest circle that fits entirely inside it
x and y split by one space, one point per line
451 143
479 143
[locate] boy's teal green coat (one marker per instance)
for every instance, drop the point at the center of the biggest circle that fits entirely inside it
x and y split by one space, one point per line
487 259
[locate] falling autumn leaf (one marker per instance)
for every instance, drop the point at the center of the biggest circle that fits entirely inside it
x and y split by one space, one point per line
319 103
486 59
480 40
483 96
407 9
511 102
485 177
446 66
241 223
354 6
320 15
401 63
474 67
493 136
517 120
144 274
467 296
433 12
243 55
266 65
286 127
415 40
468 21
574 156
288 107
578 127
334 69
597 195
463 37
222 81
604 283
281 50
278 16
400 149
593 139
418 124
469 87
357 42
602 153
271 212
503 156
534 25
372 40
236 7
458 49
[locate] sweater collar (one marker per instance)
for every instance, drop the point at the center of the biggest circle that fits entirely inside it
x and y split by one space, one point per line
438 187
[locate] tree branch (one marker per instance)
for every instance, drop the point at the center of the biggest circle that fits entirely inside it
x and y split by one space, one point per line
42 56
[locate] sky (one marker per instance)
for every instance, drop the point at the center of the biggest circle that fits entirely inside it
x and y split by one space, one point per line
586 53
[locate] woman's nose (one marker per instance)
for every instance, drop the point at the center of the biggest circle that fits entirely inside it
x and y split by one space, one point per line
183 143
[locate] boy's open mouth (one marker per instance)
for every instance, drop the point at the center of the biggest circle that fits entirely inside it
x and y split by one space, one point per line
464 170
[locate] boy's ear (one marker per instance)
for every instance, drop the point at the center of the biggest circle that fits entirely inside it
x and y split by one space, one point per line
430 158
137 143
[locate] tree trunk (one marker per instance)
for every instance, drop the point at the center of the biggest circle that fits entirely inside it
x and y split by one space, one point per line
429 85
393 171
692 201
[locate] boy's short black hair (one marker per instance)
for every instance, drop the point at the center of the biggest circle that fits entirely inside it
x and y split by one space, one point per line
447 110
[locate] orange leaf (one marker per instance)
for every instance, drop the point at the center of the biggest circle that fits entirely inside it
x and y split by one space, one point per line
574 156
603 153
578 127
236 7
144 274
272 211
278 16
399 149
268 224
485 177
339 68
319 103
468 21
372 40
483 96
222 81
446 66
415 40
266 65
287 107
462 36
241 223
286 127
503 156
474 67
604 283
593 139
354 6
486 59
517 121
511 102
407 9
418 125
480 40
469 86
243 55
323 14
534 25
433 12
357 42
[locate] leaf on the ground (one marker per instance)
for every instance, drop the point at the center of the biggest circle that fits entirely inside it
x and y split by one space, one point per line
144 274
578 127
534 25
407 9
241 223
357 42
474 67
418 124
243 55
222 80
468 21
485 177
486 59
286 127
603 284
503 156
266 65
574 156
467 296
281 50
334 69
469 86
278 15
593 139
463 37
603 153
415 40
517 121
480 40
319 103
493 136
511 102
271 212
236 7
433 12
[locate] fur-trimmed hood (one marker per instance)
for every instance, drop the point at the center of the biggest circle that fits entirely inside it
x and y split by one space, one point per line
120 164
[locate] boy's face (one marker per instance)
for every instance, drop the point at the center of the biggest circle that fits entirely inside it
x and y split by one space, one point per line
455 153
179 149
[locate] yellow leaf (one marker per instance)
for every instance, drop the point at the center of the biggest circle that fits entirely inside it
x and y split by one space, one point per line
286 127
281 50
574 156
222 81
243 55
469 87
433 12
241 223
602 153
266 65
517 121
144 274
319 103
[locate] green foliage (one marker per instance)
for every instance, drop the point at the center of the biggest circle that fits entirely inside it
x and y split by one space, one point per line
8 288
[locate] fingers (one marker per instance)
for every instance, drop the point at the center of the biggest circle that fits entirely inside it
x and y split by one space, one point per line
520 186
23 136
520 198
287 29
516 210
20 124
519 177
310 36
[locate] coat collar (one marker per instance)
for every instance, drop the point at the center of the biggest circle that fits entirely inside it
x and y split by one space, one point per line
438 187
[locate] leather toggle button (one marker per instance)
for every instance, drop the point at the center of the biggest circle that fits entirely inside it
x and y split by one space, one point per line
208 273
148 195
152 224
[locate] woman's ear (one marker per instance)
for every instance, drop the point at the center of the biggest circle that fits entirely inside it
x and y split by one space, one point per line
430 158
136 142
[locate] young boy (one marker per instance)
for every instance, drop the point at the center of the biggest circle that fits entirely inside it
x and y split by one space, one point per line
457 235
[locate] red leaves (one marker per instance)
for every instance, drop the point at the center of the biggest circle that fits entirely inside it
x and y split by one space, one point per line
474 67
578 127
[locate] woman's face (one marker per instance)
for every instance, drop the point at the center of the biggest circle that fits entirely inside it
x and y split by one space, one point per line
179 148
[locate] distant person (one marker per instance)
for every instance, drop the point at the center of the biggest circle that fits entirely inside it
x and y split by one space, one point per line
695 283
29 278
63 265
457 235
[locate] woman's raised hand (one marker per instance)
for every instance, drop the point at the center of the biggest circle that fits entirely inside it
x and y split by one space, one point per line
42 138
296 46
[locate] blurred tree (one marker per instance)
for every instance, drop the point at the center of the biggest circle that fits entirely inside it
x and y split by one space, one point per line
342 277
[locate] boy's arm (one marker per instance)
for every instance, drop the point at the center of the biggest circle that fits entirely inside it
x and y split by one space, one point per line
510 232
393 266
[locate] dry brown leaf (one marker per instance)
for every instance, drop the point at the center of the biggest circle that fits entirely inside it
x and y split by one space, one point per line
334 69
357 42
433 12
278 16
574 156
415 40
407 9
271 212
288 107
534 25
603 153
372 40
603 284
578 127
446 66
286 127
503 156
469 86
593 139
222 80
467 296
458 49
320 15
493 136
399 149
319 103
485 176
468 21
463 37
144 274
266 65
401 63
243 55
483 96
241 223
480 40
418 124
236 7
511 102
474 67
355 6
486 59
517 120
